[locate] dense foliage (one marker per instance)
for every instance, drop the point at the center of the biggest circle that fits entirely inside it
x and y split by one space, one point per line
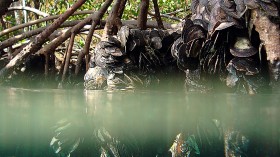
171 8
176 8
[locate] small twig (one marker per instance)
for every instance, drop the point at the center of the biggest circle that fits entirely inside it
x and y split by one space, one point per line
36 11
175 12
166 16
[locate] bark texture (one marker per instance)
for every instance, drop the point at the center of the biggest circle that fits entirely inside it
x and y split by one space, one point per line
269 34
113 21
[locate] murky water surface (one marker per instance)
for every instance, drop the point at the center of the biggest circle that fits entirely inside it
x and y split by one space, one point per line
145 122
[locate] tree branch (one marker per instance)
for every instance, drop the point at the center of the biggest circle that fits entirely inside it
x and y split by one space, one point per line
68 56
121 8
36 11
6 31
85 50
39 40
157 15
96 18
13 40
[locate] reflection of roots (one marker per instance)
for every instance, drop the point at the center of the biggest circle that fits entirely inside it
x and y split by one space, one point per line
236 144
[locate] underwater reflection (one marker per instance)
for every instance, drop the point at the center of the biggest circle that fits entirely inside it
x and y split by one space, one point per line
150 123
137 123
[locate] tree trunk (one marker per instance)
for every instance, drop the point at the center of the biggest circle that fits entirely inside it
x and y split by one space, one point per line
269 33
142 17
112 20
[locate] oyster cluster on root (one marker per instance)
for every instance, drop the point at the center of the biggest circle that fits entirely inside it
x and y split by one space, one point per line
240 48
132 58
186 50
227 44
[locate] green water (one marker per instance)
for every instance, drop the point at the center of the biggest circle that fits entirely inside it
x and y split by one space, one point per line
148 119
